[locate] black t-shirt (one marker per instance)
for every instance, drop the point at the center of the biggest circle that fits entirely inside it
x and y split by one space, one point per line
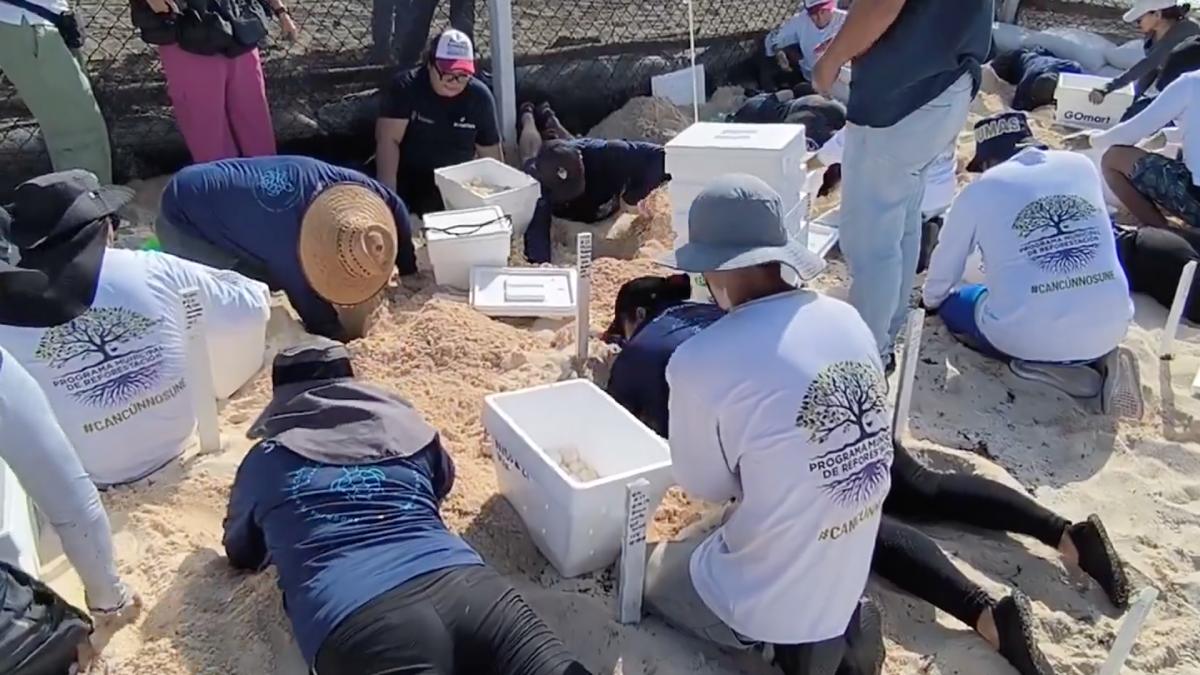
441 131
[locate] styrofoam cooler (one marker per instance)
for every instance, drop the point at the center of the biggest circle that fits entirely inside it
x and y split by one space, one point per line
460 240
18 525
577 525
518 200
1075 110
678 87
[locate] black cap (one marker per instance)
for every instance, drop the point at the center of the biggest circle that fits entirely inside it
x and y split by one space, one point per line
999 137
559 168
57 204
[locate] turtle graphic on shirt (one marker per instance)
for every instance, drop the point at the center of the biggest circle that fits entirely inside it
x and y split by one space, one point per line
1057 233
845 406
278 188
103 357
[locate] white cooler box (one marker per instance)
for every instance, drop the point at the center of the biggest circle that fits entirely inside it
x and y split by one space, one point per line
18 525
1075 110
563 454
517 199
460 240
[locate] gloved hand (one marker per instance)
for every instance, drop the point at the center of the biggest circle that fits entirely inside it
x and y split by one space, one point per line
1097 95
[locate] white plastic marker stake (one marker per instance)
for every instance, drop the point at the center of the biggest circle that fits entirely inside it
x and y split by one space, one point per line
199 372
1128 632
1196 384
692 52
583 295
632 580
1166 347
908 372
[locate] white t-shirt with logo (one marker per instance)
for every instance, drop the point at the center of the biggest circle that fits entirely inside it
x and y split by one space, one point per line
1056 291
800 31
781 405
116 375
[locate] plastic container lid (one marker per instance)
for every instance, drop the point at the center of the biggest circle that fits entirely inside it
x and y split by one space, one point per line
477 222
716 135
524 291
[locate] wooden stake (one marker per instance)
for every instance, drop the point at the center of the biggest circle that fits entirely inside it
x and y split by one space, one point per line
632 580
1166 347
908 372
199 372
583 295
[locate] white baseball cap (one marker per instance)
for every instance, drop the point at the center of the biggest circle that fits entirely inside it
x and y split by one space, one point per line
454 52
1143 7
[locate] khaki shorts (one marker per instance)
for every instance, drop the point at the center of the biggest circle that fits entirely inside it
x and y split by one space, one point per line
671 595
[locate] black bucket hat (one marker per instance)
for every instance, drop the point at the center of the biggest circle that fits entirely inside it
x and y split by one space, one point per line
559 168
999 137
59 204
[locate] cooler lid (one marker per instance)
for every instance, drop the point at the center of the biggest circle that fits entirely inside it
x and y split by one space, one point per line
729 136
477 222
523 291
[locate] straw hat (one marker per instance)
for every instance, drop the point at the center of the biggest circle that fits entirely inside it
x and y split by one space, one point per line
347 244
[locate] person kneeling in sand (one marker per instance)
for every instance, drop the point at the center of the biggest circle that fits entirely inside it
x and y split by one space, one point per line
102 329
653 318
753 419
583 179
342 496
1054 293
327 236
41 457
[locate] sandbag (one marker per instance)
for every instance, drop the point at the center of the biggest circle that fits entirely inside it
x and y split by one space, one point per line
1007 37
1125 56
39 631
1087 49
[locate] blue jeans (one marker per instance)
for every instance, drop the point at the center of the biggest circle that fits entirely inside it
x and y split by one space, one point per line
958 312
884 173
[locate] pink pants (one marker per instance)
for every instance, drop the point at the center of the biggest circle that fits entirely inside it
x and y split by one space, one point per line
220 103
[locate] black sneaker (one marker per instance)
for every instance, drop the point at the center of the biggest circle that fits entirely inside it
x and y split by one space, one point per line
1099 559
889 365
1014 625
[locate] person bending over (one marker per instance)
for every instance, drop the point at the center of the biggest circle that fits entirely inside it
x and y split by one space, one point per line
582 179
102 329
1054 291
327 236
341 495
753 418
652 319
1034 72
822 117
1166 25
434 116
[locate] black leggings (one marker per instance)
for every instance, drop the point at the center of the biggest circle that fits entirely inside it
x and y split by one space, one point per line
461 621
913 562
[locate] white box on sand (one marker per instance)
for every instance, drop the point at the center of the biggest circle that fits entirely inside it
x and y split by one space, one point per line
776 153
487 182
563 454
1075 110
524 291
460 240
18 525
677 87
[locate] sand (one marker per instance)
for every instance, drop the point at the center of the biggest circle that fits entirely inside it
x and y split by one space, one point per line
968 414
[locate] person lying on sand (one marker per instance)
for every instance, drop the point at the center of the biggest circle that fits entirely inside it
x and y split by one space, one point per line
582 179
1153 259
822 117
652 318
1054 291
754 419
41 457
326 236
102 329
1148 183
342 496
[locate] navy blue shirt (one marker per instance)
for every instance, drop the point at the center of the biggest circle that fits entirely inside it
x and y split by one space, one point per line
441 131
340 536
612 171
821 117
252 208
929 46
638 380
1031 65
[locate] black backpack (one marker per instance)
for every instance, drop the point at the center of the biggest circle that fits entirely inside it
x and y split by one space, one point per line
39 631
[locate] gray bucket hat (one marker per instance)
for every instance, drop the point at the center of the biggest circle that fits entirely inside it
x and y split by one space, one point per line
735 223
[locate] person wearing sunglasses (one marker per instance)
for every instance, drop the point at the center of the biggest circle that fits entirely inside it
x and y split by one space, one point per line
434 116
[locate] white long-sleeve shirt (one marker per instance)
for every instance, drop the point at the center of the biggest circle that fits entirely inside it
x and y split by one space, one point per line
1178 103
1056 291
780 405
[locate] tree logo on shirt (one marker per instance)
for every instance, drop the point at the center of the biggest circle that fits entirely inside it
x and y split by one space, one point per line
845 406
278 188
1057 234
105 350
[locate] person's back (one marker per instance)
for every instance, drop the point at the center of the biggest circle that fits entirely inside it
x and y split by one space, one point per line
613 169
1055 290
115 375
804 424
